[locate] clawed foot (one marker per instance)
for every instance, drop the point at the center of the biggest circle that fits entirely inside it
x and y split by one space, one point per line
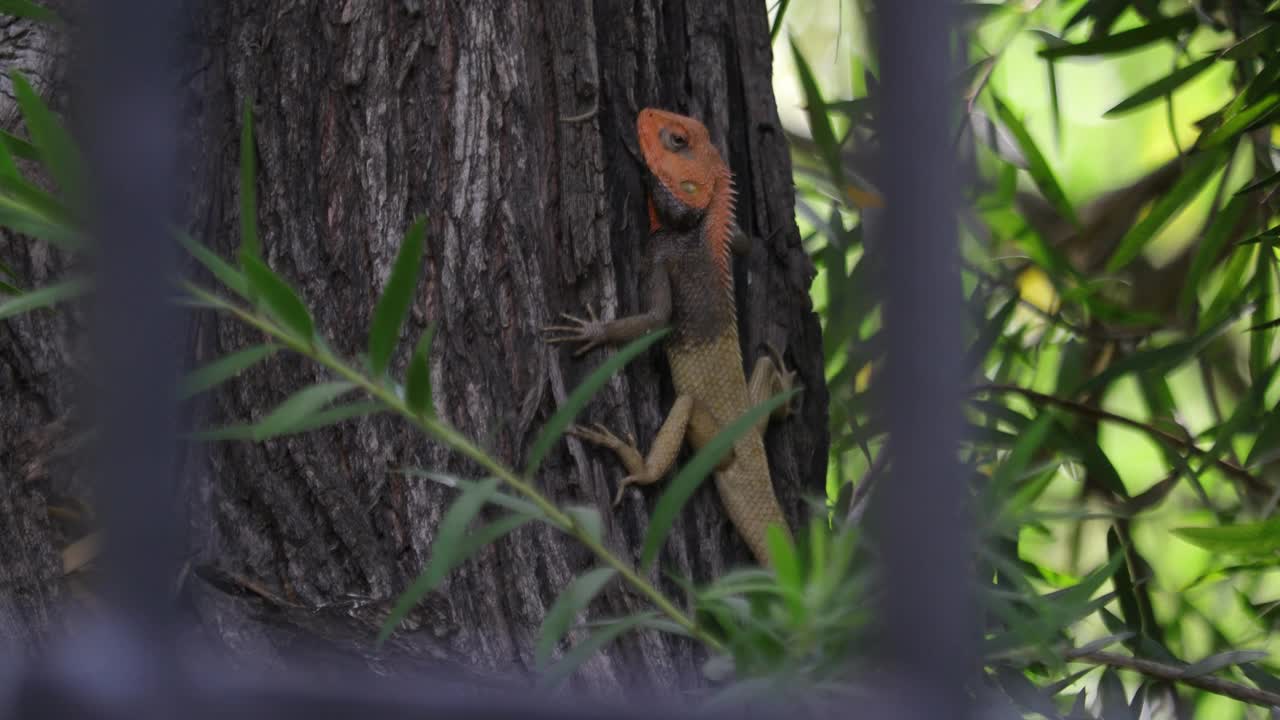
626 449
786 380
589 331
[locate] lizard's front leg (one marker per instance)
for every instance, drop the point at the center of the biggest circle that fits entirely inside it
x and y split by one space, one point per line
768 378
662 455
591 331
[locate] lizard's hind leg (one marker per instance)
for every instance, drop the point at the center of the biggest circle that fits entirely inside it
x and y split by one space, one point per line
662 455
768 378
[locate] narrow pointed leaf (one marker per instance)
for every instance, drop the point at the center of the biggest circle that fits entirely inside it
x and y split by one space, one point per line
1036 163
1241 121
43 297
19 147
582 394
56 147
686 481
298 408
499 498
1169 204
224 369
579 654
1259 538
1125 40
824 135
221 269
588 520
392 307
1162 87
446 550
1210 248
572 600
279 298
1266 448
417 389
1222 660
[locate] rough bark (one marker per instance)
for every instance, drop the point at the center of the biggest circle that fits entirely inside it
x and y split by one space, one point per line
507 124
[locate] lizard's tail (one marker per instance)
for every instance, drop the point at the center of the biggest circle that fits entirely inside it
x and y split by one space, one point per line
747 494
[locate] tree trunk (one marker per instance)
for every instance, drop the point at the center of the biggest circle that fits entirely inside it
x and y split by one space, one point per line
506 124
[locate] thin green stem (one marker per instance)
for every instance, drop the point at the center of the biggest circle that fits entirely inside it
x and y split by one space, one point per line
460 443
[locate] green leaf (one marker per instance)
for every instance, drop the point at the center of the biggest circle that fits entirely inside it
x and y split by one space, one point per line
1029 442
56 147
392 307
221 269
279 298
19 147
1036 163
452 545
29 10
1183 191
1126 40
1221 660
587 519
300 406
1238 122
501 499
1115 704
582 394
43 297
249 242
1156 360
224 369
1210 248
338 414
782 553
1267 181
575 597
1162 87
1252 45
1266 448
559 672
1259 538
417 390
692 474
777 19
824 135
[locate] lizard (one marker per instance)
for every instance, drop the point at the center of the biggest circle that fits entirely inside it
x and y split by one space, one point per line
690 287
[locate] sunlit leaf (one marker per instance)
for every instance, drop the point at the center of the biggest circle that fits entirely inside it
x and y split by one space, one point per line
1162 87
1036 163
1198 172
1127 39
1258 538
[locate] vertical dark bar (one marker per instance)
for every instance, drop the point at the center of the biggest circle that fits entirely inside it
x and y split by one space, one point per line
128 117
919 514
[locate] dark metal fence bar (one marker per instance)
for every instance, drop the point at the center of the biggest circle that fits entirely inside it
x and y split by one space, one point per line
919 518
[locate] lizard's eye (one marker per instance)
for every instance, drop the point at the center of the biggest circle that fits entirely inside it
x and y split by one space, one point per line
675 141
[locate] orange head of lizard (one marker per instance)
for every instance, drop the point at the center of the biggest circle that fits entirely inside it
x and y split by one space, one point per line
679 154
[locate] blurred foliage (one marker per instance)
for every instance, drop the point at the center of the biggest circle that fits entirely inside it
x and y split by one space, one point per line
1119 274
1119 270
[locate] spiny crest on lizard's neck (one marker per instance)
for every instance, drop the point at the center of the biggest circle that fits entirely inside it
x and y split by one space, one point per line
679 153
